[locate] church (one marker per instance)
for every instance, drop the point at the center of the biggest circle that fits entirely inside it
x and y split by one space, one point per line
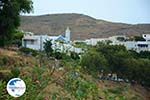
61 43
36 41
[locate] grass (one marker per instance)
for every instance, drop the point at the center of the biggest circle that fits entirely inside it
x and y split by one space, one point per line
42 86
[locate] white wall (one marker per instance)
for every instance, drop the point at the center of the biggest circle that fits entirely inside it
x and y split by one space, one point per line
39 44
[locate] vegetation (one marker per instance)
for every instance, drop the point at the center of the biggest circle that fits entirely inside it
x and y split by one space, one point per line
29 51
121 39
17 38
75 78
80 88
48 48
116 59
10 19
139 38
93 62
70 76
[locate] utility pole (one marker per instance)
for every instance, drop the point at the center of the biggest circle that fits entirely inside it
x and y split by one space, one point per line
41 43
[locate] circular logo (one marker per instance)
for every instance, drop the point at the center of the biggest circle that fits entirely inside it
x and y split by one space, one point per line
16 87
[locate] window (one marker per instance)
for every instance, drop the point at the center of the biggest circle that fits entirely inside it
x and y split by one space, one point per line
143 45
30 42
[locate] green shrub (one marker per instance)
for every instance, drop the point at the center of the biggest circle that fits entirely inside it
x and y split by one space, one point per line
15 72
35 82
48 48
80 88
117 90
17 42
5 75
3 93
29 51
58 55
139 38
4 60
74 56
93 62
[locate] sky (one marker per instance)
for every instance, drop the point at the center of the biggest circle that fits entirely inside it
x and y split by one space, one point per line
124 11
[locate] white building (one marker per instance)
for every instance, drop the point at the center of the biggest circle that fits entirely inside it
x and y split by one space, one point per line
94 41
60 43
138 46
122 40
113 39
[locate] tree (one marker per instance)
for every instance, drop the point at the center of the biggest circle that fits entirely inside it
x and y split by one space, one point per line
17 38
9 17
74 55
139 38
121 39
48 48
93 62
144 54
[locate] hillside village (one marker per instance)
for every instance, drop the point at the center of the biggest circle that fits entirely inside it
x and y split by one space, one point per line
64 43
72 56
90 69
62 77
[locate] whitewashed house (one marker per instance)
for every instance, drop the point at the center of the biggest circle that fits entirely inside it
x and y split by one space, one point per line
94 41
113 39
138 46
60 43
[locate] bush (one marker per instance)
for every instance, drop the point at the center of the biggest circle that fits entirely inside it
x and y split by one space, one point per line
48 48
80 88
5 75
35 82
17 42
4 60
94 62
139 38
17 38
74 56
29 51
3 93
58 55
126 64
144 54
15 72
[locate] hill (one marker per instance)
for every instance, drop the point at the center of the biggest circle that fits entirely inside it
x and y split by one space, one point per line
42 85
82 26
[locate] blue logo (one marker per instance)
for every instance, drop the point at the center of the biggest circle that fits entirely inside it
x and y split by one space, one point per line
16 87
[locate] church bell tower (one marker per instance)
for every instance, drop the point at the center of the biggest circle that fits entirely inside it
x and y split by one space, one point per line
67 34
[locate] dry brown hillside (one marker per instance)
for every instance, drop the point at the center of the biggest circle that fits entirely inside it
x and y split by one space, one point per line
82 26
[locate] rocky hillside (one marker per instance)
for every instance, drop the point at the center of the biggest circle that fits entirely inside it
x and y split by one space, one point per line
82 26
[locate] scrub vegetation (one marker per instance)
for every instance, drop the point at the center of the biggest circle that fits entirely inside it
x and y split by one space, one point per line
77 76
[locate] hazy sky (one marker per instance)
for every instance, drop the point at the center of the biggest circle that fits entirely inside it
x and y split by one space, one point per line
126 11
